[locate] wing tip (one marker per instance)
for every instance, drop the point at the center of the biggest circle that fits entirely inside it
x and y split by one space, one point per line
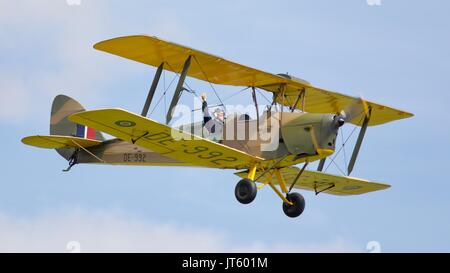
99 45
33 141
27 140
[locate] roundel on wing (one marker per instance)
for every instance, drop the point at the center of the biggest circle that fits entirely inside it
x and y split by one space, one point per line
125 123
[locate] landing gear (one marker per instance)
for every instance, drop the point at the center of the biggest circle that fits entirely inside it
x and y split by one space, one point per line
245 191
297 207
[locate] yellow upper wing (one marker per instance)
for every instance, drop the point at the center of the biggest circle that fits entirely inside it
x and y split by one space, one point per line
153 51
319 181
319 100
163 139
57 142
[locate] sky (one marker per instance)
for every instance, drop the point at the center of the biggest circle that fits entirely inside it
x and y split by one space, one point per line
396 53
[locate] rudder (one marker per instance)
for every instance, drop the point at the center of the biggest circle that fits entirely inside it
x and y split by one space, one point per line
62 107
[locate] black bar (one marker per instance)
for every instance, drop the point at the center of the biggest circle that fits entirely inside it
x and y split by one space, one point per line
223 262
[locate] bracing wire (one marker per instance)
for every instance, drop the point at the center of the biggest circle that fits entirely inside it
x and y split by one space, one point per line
259 92
212 87
343 144
342 147
235 94
165 102
163 94
337 166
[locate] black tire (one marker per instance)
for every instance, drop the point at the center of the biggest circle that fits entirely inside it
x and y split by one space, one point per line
245 191
297 208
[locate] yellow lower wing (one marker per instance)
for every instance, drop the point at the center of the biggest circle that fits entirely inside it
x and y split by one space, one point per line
58 142
163 139
323 182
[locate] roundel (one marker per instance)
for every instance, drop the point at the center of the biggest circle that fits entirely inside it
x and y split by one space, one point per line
125 123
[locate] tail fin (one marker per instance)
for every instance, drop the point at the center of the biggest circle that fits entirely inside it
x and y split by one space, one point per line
62 107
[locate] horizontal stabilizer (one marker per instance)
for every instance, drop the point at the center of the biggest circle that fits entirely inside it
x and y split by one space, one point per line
58 142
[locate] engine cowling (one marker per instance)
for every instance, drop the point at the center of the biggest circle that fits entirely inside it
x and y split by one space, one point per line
309 133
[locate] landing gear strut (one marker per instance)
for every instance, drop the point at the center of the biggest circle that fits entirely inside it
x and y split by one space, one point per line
293 203
245 191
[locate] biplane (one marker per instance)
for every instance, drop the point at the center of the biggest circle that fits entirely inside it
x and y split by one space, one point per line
303 128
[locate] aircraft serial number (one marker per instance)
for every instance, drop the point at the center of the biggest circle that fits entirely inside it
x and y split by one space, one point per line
131 157
203 152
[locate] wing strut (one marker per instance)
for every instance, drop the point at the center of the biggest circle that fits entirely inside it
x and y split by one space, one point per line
321 164
301 95
257 110
362 132
283 97
151 91
178 90
298 176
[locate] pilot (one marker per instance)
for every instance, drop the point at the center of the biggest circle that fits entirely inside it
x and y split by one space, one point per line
215 125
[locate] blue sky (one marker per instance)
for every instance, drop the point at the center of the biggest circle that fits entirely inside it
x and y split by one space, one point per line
397 53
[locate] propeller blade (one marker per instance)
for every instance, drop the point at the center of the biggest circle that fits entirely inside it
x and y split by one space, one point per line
354 110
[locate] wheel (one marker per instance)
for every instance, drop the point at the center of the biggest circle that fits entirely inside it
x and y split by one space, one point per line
245 191
297 208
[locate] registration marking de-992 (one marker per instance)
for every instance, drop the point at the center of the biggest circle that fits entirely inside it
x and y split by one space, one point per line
134 157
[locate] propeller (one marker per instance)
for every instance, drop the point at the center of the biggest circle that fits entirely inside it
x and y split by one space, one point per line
352 111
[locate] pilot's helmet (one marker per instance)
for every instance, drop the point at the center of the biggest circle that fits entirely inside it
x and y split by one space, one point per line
219 113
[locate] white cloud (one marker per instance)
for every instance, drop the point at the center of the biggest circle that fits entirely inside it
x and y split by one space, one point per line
14 100
112 231
49 48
